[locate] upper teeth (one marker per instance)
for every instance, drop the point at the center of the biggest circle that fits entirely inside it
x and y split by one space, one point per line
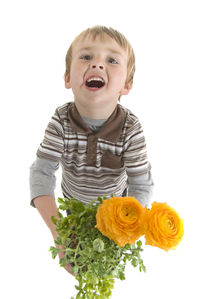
95 78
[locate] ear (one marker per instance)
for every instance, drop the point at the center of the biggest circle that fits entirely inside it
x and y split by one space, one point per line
127 87
67 81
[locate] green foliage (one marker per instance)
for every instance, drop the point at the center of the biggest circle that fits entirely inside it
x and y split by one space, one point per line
95 259
98 245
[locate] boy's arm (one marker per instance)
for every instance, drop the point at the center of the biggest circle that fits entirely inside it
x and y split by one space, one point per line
42 181
138 168
42 178
47 207
141 188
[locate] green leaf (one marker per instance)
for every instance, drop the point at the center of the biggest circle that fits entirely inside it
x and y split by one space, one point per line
61 200
63 261
58 241
139 243
81 214
54 220
132 246
54 251
134 262
121 276
100 200
77 207
60 215
74 269
142 268
98 245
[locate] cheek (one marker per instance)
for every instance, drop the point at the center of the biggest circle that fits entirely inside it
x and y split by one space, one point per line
119 77
74 71
77 68
76 74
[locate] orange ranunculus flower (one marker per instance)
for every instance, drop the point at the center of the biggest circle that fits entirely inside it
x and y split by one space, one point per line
121 219
163 226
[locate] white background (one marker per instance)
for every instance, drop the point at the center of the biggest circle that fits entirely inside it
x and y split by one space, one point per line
35 36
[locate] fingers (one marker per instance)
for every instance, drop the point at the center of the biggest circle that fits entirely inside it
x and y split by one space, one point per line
68 268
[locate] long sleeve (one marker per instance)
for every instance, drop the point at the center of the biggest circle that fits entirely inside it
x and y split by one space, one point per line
138 168
42 171
141 188
42 178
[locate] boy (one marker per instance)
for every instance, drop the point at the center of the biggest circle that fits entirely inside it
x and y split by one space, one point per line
99 144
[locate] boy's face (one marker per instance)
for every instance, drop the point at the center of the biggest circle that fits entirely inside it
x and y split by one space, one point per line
98 72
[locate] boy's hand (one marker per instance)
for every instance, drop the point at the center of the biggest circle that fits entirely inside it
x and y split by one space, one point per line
61 254
67 267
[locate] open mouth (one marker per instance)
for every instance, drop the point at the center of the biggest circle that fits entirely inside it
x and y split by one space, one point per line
95 82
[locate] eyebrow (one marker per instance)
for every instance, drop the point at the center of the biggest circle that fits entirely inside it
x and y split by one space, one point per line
109 49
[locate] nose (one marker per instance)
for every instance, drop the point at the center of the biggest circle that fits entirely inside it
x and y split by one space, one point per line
100 66
97 63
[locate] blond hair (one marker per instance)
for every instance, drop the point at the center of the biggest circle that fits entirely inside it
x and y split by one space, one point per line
100 31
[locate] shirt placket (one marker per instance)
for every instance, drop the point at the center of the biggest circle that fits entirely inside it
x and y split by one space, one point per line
92 150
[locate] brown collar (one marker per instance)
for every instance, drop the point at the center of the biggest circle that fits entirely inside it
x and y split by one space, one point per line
111 130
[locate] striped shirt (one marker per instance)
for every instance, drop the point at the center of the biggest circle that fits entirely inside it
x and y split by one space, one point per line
94 163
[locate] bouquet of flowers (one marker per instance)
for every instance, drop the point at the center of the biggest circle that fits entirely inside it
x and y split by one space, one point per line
99 238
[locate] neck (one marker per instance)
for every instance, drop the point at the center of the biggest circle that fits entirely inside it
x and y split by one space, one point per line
95 112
